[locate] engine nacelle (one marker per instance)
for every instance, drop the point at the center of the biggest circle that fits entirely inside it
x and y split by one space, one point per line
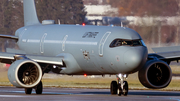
155 74
25 73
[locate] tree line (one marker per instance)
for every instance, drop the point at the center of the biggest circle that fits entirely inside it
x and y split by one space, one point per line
67 11
152 8
146 7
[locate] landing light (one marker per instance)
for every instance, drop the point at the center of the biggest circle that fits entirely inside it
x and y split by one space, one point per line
112 25
54 66
83 24
85 75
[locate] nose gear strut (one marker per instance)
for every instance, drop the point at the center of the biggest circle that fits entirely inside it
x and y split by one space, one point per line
120 87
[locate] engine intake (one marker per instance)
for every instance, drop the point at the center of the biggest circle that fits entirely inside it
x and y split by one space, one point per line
25 73
155 74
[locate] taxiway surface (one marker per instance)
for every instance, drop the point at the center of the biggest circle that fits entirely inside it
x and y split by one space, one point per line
69 94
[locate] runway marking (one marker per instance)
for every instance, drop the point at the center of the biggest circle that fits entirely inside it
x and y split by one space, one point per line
8 96
175 99
42 93
67 93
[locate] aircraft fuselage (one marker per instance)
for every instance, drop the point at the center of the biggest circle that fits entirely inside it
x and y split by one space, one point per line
90 46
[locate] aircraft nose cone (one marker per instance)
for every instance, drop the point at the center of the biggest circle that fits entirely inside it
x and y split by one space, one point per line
134 59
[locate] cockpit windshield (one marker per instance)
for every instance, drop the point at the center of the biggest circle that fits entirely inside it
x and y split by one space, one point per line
123 42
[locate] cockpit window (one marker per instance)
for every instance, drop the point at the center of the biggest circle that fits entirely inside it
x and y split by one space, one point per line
123 42
137 43
126 42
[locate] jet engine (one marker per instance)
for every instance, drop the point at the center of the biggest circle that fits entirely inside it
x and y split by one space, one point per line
25 73
155 74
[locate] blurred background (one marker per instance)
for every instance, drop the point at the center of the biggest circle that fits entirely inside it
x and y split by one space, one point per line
157 21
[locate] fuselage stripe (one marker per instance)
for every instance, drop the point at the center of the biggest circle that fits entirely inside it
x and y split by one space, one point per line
67 42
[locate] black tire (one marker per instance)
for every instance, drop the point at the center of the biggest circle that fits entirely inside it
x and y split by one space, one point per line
39 88
119 90
113 87
125 88
28 90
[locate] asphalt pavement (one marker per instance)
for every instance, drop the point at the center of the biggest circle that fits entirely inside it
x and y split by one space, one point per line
77 94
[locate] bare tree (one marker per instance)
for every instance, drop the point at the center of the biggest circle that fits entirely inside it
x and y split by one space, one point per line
68 11
146 7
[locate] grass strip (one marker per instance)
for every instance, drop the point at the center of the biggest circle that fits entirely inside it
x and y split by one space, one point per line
64 81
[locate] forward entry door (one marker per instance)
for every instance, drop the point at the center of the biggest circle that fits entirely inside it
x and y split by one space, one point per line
102 42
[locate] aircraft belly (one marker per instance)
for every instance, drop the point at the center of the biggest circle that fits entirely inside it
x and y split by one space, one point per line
90 66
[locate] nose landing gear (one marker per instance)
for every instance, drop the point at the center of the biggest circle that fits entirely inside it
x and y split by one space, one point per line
114 87
121 87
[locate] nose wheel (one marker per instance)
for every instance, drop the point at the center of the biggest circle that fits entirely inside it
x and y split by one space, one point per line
114 87
120 87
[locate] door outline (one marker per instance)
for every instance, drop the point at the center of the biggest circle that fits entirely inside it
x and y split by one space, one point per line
64 42
102 42
42 43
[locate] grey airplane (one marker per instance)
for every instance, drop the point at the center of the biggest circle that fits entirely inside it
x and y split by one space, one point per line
79 50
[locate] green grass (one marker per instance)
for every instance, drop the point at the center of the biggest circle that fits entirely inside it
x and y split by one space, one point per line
76 81
64 81
175 69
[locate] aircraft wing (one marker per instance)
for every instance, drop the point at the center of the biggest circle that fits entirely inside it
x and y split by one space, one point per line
10 57
166 53
9 37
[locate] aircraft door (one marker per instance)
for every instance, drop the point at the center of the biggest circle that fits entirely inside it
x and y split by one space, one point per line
102 42
64 42
42 43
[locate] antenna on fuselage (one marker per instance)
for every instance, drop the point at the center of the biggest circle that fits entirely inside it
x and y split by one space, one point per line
59 22
122 24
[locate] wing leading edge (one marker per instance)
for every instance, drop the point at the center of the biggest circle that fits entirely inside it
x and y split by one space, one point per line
9 37
11 57
166 53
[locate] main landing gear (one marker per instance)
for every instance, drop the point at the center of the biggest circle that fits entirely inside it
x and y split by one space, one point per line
38 89
121 87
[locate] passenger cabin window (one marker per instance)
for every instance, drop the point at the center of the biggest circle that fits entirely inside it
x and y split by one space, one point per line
123 42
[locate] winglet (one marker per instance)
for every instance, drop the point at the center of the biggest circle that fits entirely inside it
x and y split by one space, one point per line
30 14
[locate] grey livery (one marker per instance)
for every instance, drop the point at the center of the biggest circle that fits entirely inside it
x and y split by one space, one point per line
79 50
